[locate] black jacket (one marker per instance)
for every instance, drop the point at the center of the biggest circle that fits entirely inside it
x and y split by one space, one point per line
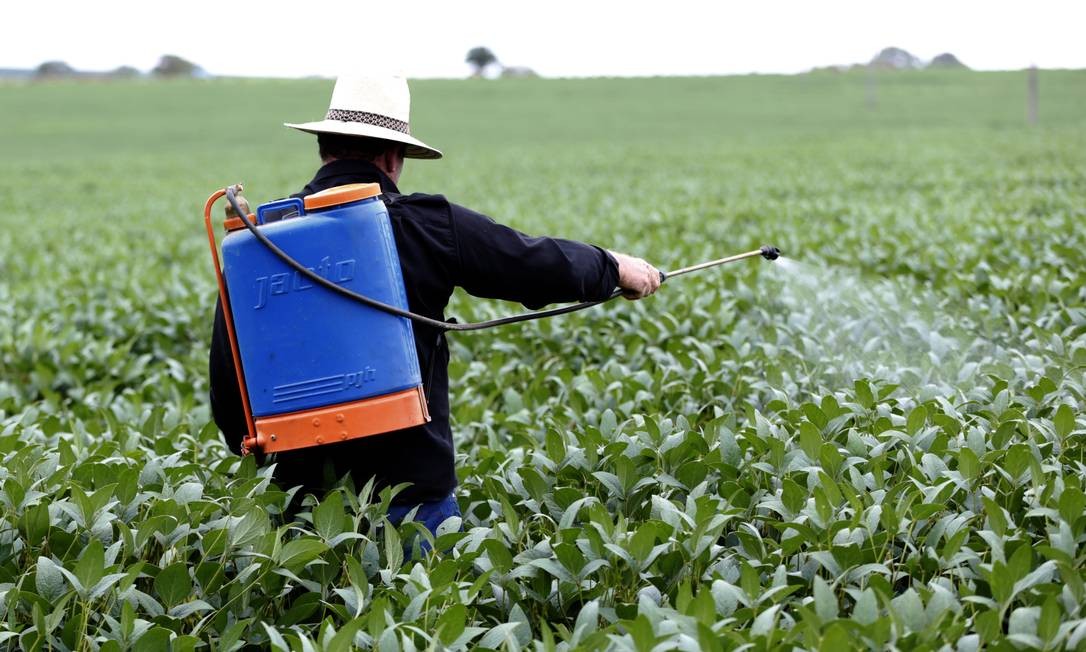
441 246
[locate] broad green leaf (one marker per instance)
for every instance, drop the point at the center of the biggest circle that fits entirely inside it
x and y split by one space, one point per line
866 610
328 516
173 584
1017 460
299 552
729 447
344 637
1049 623
909 611
394 555
815 415
824 599
1064 421
275 639
1024 620
1072 504
763 625
835 639
450 625
793 496
104 584
1020 563
917 418
587 618
554 568
968 464
810 440
996 516
608 423
232 636
91 565
155 639
35 523
187 609
611 481
500 635
499 555
863 393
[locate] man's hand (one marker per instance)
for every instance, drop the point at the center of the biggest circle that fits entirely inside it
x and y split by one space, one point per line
637 278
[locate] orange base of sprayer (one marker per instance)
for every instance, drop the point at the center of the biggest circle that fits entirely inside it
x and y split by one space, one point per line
316 426
336 423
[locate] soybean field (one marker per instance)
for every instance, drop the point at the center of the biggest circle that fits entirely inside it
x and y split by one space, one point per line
876 443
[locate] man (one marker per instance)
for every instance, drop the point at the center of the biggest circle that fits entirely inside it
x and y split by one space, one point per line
365 138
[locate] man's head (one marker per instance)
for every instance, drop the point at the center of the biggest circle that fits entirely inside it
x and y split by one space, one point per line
385 154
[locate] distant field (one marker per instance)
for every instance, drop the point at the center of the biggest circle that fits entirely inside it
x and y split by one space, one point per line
878 444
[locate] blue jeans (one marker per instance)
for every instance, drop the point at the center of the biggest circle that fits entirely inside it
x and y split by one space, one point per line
430 514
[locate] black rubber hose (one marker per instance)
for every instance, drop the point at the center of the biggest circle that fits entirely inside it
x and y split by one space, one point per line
393 310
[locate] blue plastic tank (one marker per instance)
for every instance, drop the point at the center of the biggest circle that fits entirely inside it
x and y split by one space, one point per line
303 346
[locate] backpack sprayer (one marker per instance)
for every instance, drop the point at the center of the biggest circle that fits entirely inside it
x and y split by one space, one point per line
312 370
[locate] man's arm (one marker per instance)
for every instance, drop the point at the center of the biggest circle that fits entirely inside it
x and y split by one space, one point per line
498 262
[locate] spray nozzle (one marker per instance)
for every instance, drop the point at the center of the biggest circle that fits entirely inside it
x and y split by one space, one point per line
770 253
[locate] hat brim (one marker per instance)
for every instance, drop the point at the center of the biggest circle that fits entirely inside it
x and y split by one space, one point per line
415 147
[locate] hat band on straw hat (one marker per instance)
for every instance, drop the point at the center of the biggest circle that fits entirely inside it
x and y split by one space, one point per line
364 117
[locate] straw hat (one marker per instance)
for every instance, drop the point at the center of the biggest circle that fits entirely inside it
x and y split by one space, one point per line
375 107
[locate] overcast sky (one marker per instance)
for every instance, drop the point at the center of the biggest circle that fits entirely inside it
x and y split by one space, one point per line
556 38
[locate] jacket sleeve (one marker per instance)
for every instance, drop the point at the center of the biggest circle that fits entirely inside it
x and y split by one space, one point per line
497 262
226 405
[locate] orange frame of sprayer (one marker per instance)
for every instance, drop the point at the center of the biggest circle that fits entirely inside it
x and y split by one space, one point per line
316 426
250 423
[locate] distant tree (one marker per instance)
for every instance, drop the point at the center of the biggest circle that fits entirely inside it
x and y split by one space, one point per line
522 72
123 72
480 57
171 65
820 70
895 59
947 60
54 69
